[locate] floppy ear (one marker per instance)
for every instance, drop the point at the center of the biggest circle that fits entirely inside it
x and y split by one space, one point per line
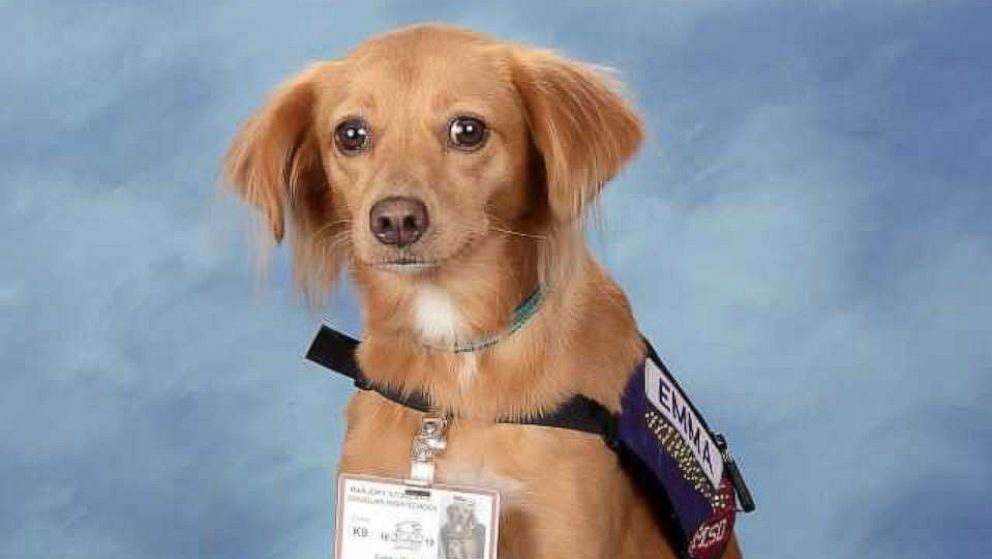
275 157
275 164
584 130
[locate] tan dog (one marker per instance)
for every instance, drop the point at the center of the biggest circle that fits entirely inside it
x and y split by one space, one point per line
449 173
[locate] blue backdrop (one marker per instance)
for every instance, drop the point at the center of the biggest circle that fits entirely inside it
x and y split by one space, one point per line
805 238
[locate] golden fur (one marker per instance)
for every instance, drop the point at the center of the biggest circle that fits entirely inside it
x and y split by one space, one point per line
503 219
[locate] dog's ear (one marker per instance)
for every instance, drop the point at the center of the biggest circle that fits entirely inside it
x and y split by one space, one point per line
275 157
275 164
583 128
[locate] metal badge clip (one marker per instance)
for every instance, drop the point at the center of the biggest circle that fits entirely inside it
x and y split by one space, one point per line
427 443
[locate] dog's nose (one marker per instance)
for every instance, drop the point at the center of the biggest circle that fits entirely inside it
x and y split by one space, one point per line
398 220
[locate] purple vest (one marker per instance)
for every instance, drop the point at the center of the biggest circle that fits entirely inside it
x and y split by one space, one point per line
685 465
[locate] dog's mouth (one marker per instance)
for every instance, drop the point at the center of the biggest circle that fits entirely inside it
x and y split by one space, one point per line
407 265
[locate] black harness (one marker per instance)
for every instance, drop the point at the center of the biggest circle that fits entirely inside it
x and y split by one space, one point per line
336 351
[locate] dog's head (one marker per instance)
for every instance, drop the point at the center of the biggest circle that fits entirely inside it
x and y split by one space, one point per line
424 143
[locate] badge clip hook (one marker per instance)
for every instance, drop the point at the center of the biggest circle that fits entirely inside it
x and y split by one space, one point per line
428 442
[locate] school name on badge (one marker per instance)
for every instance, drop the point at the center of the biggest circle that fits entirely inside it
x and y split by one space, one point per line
381 518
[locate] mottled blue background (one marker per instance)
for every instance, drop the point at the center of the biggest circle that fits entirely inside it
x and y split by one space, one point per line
805 237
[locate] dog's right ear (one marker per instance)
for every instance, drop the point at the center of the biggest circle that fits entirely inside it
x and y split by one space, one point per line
275 157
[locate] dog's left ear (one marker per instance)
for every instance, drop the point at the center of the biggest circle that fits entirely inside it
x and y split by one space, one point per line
583 128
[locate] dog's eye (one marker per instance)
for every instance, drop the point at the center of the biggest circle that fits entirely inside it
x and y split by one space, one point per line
352 136
467 133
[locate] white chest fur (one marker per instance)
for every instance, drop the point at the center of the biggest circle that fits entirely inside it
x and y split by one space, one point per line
439 323
435 316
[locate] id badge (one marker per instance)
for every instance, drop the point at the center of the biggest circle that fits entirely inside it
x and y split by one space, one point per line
379 518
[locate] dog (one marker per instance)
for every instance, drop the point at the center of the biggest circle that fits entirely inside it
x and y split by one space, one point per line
450 174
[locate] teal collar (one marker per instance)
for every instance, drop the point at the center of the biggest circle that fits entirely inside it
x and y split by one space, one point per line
524 312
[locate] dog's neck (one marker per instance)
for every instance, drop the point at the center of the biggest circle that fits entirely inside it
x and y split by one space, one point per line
458 303
408 318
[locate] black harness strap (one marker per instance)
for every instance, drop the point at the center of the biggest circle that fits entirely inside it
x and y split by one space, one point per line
336 351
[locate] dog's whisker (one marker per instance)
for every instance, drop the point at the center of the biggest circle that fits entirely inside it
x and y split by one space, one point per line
330 226
332 243
518 233
329 232
502 227
339 241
